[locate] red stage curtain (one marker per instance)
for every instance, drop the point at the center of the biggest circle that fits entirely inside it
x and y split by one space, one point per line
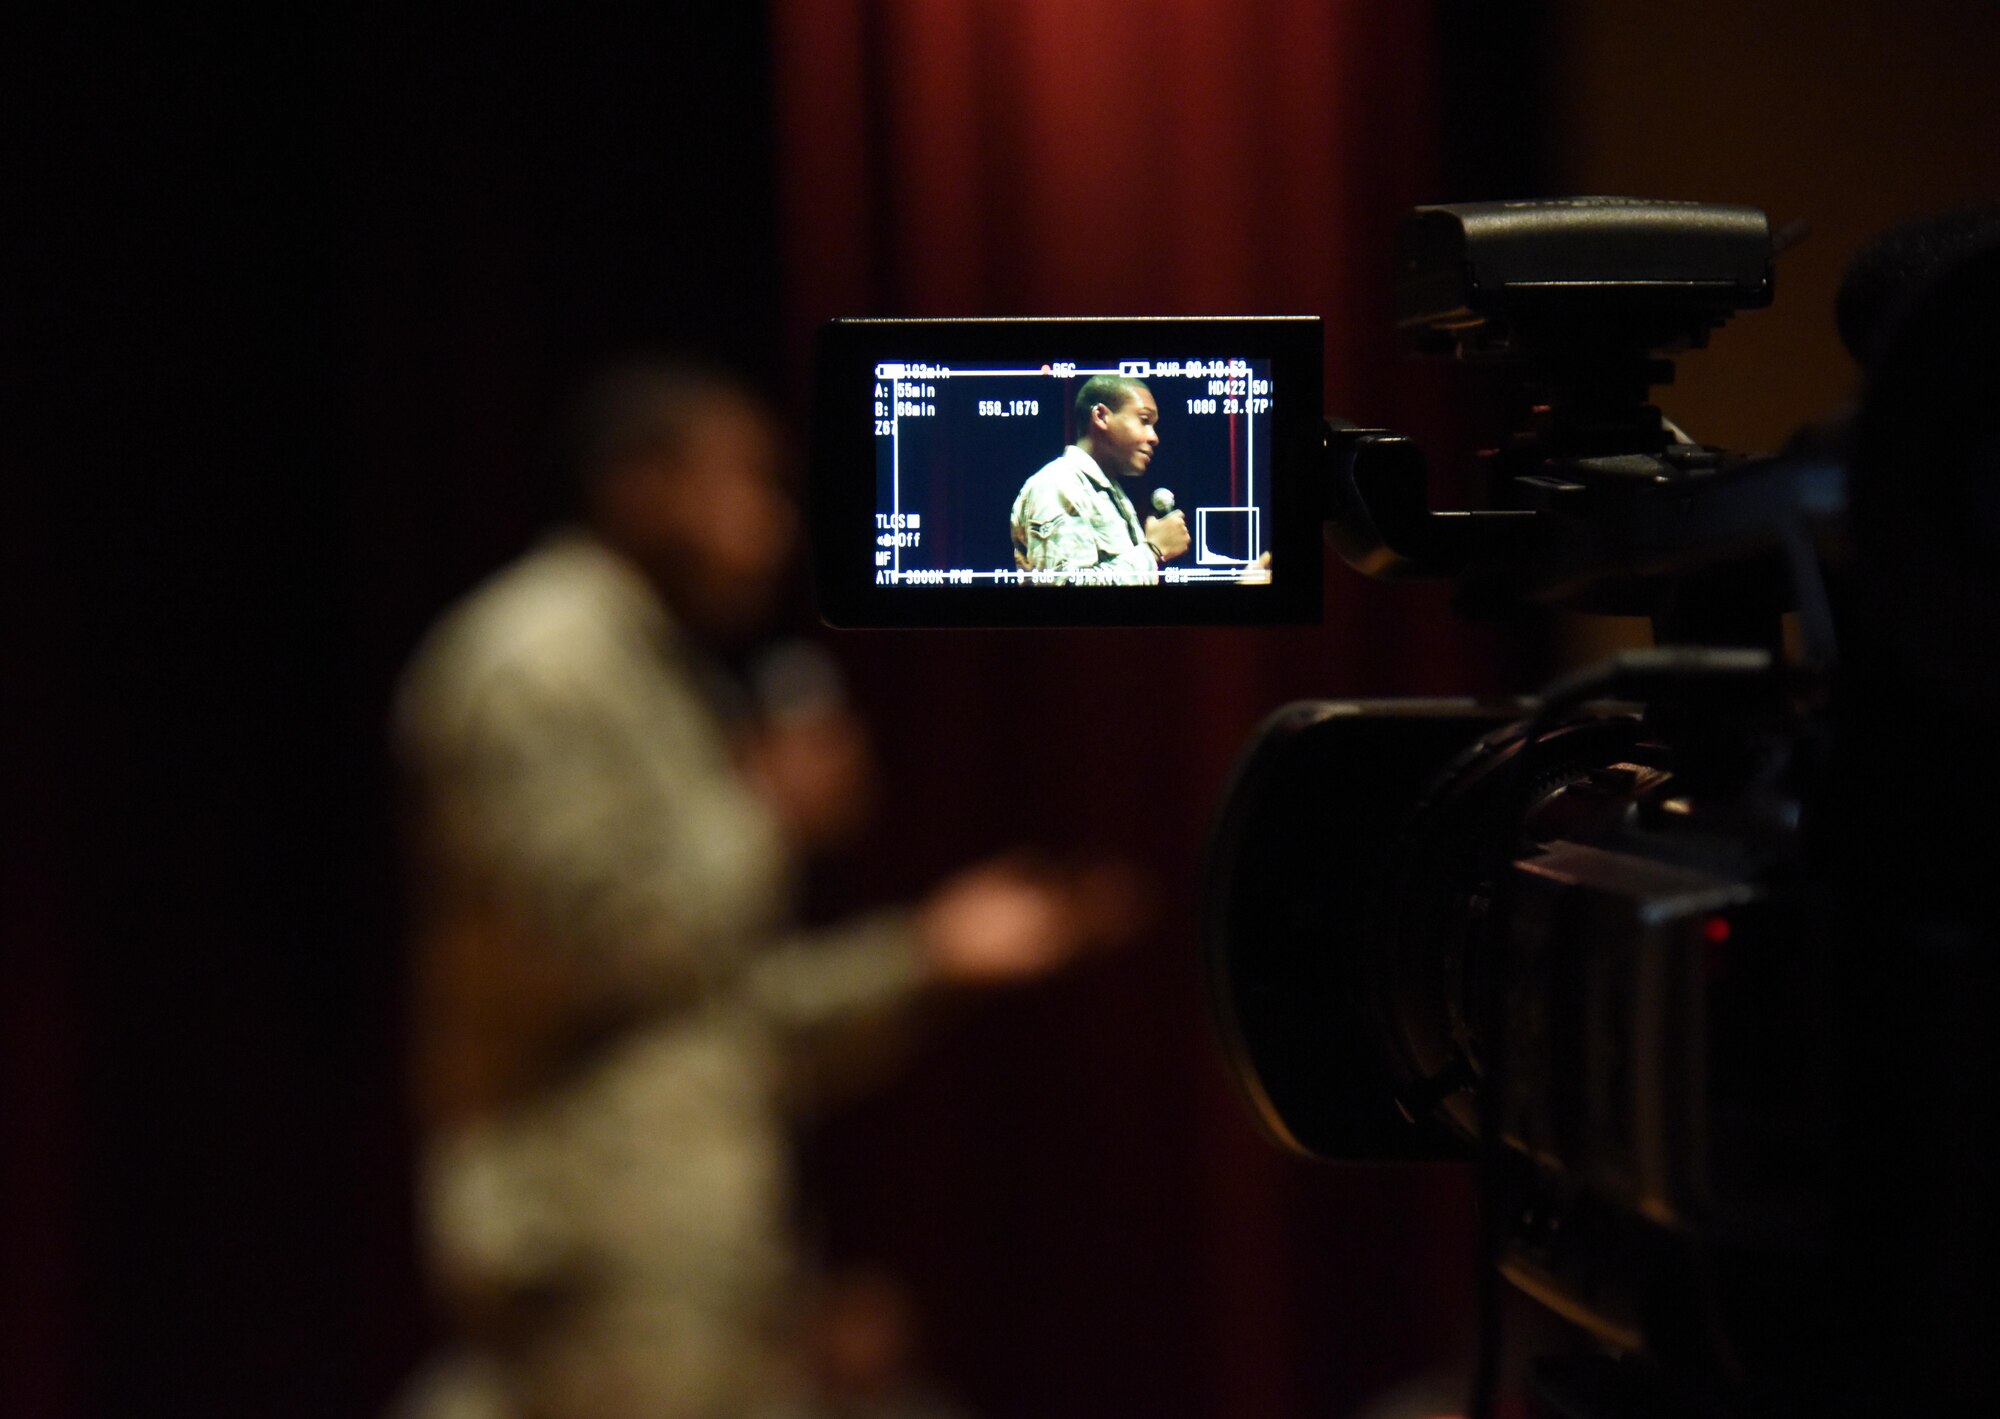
1067 1177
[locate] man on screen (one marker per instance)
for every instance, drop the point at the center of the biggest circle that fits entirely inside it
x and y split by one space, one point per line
1072 521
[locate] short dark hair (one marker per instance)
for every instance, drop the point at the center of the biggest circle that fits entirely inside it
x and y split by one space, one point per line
646 408
1110 390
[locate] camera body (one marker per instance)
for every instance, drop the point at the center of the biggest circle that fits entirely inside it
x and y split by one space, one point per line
1685 954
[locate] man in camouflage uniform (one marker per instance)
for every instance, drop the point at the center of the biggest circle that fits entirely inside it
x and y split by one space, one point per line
1072 523
612 1005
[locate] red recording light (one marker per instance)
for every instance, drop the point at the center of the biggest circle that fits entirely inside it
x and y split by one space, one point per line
1715 930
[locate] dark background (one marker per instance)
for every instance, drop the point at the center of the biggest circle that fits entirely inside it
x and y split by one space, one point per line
294 308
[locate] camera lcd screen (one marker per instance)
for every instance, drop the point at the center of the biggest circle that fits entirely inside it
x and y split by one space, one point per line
1065 472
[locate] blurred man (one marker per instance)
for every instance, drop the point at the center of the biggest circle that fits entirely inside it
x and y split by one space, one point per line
1073 521
610 992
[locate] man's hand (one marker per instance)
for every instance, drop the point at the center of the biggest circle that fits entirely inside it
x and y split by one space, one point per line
1002 921
1168 535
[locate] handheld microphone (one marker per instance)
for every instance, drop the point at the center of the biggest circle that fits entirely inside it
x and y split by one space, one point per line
797 681
1163 506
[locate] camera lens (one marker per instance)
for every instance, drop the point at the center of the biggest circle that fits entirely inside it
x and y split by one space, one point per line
1350 894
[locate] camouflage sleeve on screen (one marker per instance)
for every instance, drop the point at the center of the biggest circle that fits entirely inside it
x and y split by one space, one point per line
1062 524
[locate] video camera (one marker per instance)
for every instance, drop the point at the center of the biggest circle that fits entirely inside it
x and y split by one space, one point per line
1689 955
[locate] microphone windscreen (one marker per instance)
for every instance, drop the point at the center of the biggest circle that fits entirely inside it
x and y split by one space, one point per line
797 680
1163 501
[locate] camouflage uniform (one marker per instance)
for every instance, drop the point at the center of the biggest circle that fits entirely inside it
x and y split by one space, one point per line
609 1003
1074 522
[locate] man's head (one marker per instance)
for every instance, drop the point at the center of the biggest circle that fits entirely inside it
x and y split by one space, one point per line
680 471
1117 423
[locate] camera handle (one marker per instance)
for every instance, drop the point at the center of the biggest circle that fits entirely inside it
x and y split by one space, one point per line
1378 517
1713 546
